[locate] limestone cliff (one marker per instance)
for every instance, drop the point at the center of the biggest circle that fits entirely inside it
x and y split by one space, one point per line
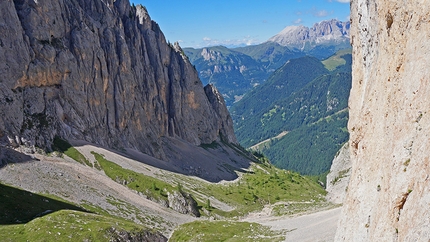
388 195
99 71
338 177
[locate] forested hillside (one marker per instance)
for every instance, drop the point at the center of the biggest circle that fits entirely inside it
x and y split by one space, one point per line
290 78
307 102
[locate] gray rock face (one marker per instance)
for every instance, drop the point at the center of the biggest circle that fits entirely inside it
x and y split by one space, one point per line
183 203
218 104
304 38
99 71
135 236
338 177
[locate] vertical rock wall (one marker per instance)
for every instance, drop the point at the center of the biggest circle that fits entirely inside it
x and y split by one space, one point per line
388 195
100 71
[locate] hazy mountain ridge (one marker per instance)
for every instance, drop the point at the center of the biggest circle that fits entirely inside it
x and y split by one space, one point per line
330 32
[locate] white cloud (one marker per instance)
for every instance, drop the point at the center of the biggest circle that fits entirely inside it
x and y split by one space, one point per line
298 21
343 1
320 13
246 40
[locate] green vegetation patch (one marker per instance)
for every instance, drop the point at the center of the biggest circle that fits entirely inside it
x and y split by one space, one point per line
336 60
266 184
153 188
66 148
225 231
67 225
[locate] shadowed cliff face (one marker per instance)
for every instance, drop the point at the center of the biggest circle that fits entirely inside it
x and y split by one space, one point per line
100 71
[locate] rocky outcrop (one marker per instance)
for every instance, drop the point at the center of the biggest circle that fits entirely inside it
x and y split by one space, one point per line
135 236
99 71
183 202
333 32
225 121
389 191
338 177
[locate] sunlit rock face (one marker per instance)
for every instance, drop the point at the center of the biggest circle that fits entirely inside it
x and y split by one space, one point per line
389 191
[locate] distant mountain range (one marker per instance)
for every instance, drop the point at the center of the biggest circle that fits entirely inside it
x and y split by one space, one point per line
236 71
325 33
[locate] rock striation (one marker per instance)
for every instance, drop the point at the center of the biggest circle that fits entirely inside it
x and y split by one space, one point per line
389 191
331 32
99 71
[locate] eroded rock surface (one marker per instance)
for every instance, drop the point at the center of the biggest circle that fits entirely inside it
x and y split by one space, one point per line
388 195
99 71
338 177
183 202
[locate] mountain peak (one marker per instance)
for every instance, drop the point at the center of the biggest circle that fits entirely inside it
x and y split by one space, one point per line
304 38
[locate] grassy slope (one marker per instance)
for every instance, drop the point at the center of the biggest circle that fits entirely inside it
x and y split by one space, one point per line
336 60
64 147
201 231
263 185
151 187
27 216
69 225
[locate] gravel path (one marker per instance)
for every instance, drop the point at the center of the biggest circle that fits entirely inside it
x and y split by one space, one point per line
319 226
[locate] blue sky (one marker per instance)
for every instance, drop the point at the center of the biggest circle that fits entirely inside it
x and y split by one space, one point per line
201 23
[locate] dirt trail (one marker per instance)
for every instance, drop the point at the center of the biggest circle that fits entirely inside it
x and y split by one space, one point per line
319 226
279 136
